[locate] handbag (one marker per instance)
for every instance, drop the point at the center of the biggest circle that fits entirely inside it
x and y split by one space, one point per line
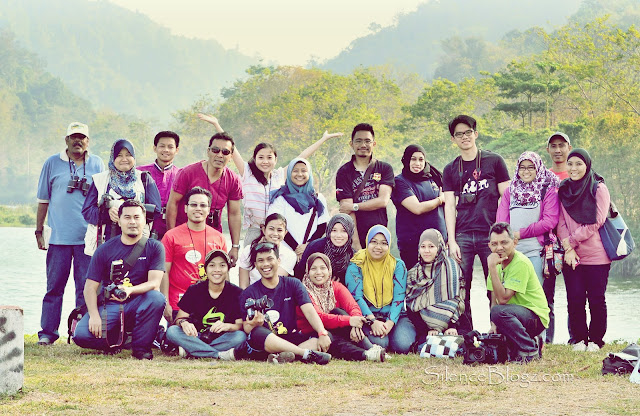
441 346
616 236
552 256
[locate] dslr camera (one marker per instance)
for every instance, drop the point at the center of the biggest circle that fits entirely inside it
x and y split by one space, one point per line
257 305
213 219
484 348
117 276
76 183
466 199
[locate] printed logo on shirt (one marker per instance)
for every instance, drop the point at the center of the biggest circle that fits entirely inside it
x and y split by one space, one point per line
377 177
193 256
472 186
286 299
212 317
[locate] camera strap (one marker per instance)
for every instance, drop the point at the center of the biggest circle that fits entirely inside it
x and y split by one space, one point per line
311 220
365 178
132 258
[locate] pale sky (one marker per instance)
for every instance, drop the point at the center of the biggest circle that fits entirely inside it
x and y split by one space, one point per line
284 31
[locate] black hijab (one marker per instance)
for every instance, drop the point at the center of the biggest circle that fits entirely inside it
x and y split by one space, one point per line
429 172
579 197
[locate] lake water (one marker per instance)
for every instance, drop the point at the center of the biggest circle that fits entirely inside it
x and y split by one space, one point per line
23 283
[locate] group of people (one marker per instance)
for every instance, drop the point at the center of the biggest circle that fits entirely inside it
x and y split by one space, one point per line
147 242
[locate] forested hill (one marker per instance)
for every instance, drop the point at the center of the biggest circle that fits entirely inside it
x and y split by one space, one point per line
455 39
120 59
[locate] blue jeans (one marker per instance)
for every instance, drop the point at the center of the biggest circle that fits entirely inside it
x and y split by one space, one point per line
471 244
400 339
142 315
59 260
549 288
520 325
587 282
198 348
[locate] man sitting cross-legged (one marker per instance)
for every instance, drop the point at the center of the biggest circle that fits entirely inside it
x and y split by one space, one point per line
272 329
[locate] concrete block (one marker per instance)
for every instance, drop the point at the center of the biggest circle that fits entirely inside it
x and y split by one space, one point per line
11 349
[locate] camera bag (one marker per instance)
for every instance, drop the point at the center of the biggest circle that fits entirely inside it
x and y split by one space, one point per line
622 362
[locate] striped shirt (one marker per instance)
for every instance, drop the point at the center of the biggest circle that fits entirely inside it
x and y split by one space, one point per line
256 195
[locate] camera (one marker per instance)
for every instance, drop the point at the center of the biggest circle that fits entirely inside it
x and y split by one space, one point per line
105 201
257 305
77 183
151 212
468 199
488 349
213 219
116 275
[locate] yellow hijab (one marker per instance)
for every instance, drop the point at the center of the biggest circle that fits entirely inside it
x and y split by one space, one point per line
377 275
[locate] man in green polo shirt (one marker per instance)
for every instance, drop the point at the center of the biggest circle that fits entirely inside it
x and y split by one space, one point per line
519 308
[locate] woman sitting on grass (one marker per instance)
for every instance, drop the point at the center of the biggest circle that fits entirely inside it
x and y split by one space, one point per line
378 281
339 313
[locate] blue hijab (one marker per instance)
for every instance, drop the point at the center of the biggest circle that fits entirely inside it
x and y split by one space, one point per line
122 182
301 198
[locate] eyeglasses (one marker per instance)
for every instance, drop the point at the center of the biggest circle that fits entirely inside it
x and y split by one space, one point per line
361 141
216 149
379 243
459 134
531 168
194 205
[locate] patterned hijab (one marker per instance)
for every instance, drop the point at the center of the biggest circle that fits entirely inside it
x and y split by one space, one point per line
323 296
339 256
301 198
579 197
377 275
434 289
122 182
529 194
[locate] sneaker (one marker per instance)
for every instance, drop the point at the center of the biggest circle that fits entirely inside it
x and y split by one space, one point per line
317 357
45 341
281 358
142 355
579 346
592 347
182 352
228 355
376 354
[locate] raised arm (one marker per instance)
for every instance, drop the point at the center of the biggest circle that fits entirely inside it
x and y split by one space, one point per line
315 146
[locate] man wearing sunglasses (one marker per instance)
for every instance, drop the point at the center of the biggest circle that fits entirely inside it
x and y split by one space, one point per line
185 248
225 187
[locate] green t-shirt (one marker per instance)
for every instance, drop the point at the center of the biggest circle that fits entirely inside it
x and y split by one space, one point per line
520 276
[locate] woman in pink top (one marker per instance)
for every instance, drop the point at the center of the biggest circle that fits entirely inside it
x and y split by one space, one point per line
584 200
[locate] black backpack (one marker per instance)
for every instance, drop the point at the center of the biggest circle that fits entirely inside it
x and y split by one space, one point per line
622 362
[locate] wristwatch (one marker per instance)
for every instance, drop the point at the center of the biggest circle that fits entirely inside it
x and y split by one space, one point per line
355 207
235 245
323 333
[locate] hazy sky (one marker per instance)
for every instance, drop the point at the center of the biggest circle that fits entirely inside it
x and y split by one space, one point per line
285 31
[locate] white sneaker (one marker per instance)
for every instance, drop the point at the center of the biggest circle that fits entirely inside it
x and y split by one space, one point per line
375 353
592 347
182 353
580 346
228 355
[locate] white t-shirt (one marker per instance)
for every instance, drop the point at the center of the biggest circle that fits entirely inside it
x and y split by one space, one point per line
297 223
288 261
256 195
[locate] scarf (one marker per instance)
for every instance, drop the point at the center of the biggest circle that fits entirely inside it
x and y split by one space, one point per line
301 198
339 256
579 197
529 194
433 289
323 296
122 182
377 275
429 172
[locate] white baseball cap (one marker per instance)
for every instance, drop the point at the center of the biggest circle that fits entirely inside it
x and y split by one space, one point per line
559 134
77 127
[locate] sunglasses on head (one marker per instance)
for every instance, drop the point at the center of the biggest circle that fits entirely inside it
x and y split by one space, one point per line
216 149
268 246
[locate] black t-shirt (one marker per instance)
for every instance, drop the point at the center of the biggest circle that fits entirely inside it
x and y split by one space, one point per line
203 310
347 181
481 186
151 258
286 296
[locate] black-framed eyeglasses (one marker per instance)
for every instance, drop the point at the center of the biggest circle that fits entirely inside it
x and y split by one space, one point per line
531 168
459 134
216 149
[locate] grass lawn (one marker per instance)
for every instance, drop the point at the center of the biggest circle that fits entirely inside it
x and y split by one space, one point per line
64 379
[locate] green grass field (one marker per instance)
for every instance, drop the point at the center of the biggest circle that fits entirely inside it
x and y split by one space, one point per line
64 379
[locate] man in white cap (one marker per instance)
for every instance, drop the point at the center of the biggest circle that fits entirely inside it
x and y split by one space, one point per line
558 147
62 187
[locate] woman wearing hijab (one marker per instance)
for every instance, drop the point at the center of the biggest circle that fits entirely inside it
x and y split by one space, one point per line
418 199
435 297
336 244
377 281
584 200
532 214
305 210
111 188
339 313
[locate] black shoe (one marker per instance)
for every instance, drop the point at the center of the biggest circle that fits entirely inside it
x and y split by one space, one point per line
142 355
112 351
317 357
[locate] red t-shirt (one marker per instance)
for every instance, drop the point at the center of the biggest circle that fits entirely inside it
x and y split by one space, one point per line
227 187
561 175
186 259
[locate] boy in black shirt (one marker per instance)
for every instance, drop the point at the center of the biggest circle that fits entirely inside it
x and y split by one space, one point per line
477 179
209 322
